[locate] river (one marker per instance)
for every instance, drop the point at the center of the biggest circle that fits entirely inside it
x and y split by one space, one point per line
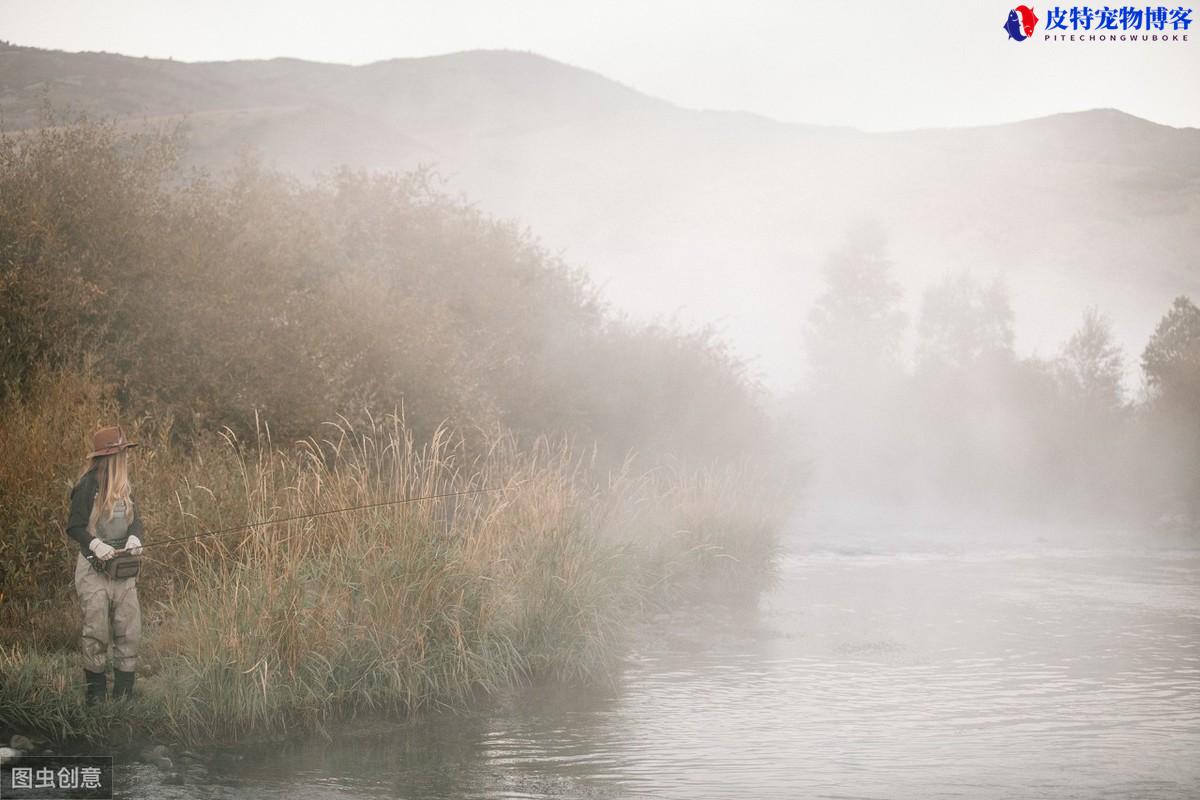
877 667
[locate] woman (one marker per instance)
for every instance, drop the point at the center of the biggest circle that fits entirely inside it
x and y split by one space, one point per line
104 520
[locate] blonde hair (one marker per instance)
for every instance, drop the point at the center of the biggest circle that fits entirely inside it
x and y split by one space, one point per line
112 482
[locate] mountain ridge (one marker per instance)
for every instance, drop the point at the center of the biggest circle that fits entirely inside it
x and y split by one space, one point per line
648 195
492 53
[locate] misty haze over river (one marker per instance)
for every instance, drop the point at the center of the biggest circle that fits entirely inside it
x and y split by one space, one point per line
511 430
884 663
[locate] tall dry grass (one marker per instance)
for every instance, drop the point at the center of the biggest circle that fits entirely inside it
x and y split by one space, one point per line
281 628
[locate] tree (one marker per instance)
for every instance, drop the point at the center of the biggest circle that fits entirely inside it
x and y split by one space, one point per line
855 327
852 341
221 300
1171 361
963 322
1085 435
971 396
1090 365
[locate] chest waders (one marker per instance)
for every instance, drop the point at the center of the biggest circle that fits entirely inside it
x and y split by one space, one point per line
115 532
112 618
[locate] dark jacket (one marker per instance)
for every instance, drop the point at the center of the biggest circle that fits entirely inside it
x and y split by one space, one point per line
83 496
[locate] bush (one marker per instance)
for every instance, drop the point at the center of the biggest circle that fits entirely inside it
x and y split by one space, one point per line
214 300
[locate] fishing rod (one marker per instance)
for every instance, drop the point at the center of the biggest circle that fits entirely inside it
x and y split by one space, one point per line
366 507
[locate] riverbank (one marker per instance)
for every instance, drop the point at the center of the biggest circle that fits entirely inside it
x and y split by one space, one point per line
286 628
989 673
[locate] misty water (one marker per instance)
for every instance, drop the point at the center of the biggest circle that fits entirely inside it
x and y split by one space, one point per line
881 664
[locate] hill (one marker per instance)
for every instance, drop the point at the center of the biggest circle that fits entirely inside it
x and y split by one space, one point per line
720 216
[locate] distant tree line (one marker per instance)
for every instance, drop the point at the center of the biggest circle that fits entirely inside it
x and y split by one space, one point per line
967 425
216 300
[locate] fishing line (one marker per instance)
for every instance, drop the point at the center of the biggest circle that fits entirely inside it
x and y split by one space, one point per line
247 526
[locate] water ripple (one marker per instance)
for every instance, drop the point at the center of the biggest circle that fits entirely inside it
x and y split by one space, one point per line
1065 674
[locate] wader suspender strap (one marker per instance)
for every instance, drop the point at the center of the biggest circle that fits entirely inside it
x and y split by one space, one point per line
122 565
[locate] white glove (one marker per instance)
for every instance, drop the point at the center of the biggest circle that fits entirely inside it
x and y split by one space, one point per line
133 546
101 550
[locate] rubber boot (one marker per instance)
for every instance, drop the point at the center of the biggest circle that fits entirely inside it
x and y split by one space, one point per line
123 684
96 687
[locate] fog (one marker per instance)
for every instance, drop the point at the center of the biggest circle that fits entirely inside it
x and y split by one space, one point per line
781 457
962 428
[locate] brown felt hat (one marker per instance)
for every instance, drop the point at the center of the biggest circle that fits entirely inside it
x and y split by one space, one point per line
107 441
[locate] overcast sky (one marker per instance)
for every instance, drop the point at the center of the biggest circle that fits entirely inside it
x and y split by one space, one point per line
874 64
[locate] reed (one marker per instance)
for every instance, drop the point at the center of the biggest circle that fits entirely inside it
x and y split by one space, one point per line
283 628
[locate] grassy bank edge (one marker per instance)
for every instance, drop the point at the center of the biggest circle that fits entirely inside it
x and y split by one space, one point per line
305 624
